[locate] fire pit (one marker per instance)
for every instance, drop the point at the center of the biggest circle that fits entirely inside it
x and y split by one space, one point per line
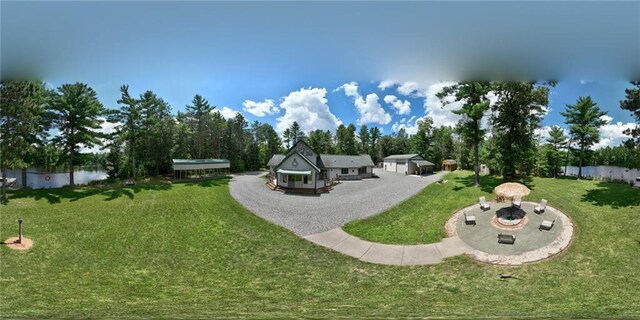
509 219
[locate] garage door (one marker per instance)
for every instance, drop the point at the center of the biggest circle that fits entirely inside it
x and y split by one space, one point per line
402 168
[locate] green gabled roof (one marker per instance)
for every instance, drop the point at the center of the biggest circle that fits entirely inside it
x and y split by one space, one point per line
313 165
346 161
199 161
402 156
275 160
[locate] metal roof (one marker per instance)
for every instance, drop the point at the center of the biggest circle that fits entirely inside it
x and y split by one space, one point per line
199 161
449 161
423 163
345 161
313 165
275 160
402 156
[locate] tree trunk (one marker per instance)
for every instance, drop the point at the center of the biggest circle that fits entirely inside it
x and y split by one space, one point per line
4 185
71 181
580 167
24 177
476 166
133 161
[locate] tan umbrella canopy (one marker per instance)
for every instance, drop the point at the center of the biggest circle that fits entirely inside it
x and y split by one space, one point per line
511 189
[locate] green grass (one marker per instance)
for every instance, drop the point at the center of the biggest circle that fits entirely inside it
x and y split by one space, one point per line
189 250
421 219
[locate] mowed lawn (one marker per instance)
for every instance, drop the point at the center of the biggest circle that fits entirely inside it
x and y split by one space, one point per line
189 250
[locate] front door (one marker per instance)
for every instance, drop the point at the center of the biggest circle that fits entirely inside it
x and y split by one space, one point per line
291 181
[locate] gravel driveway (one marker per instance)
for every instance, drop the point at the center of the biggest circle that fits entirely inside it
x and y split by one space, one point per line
309 214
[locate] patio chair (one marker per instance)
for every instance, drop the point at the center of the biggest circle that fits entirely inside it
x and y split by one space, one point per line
469 219
517 201
506 238
546 225
484 205
540 208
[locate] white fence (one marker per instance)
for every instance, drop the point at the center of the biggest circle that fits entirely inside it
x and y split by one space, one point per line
605 172
39 180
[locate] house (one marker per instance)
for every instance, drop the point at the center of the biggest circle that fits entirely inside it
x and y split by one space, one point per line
301 167
407 164
449 165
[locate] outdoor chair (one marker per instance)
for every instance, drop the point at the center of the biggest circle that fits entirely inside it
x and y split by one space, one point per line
547 225
469 219
517 202
484 205
540 208
506 238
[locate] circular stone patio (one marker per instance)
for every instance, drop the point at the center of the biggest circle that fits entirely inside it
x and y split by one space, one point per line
532 244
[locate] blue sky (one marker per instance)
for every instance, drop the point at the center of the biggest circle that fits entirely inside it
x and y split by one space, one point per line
324 63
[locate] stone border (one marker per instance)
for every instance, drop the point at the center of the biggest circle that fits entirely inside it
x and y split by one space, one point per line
554 248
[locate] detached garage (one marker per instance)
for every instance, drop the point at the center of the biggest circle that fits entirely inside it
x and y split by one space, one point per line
407 164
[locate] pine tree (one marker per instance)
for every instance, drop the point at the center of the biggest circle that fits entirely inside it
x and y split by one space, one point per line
77 113
584 119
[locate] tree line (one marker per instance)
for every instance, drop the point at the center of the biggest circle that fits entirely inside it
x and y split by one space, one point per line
48 127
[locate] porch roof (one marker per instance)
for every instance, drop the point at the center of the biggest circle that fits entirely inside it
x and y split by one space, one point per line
423 163
294 172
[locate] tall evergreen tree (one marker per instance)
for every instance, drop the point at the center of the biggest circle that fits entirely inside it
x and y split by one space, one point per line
556 141
22 122
128 128
516 115
374 136
584 119
77 113
476 103
632 103
198 116
364 137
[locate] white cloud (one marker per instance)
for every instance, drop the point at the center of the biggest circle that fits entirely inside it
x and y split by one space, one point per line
105 128
606 118
611 134
227 112
441 114
402 107
410 126
260 109
385 84
369 108
583 82
414 89
543 133
309 108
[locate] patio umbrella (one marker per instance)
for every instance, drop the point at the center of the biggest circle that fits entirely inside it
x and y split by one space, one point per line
511 189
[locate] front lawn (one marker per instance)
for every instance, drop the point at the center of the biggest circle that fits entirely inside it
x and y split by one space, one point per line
190 250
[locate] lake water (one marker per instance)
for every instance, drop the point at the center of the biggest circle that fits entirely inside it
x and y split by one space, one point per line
605 172
37 179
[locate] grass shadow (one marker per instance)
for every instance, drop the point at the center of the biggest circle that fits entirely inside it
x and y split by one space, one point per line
487 182
616 195
74 194
215 182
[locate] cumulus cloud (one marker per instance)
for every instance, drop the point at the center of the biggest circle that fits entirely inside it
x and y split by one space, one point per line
611 133
385 84
369 108
309 108
227 112
606 118
414 89
542 133
105 128
260 109
402 107
441 114
410 126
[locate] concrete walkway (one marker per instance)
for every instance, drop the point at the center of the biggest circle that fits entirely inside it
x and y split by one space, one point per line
389 254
